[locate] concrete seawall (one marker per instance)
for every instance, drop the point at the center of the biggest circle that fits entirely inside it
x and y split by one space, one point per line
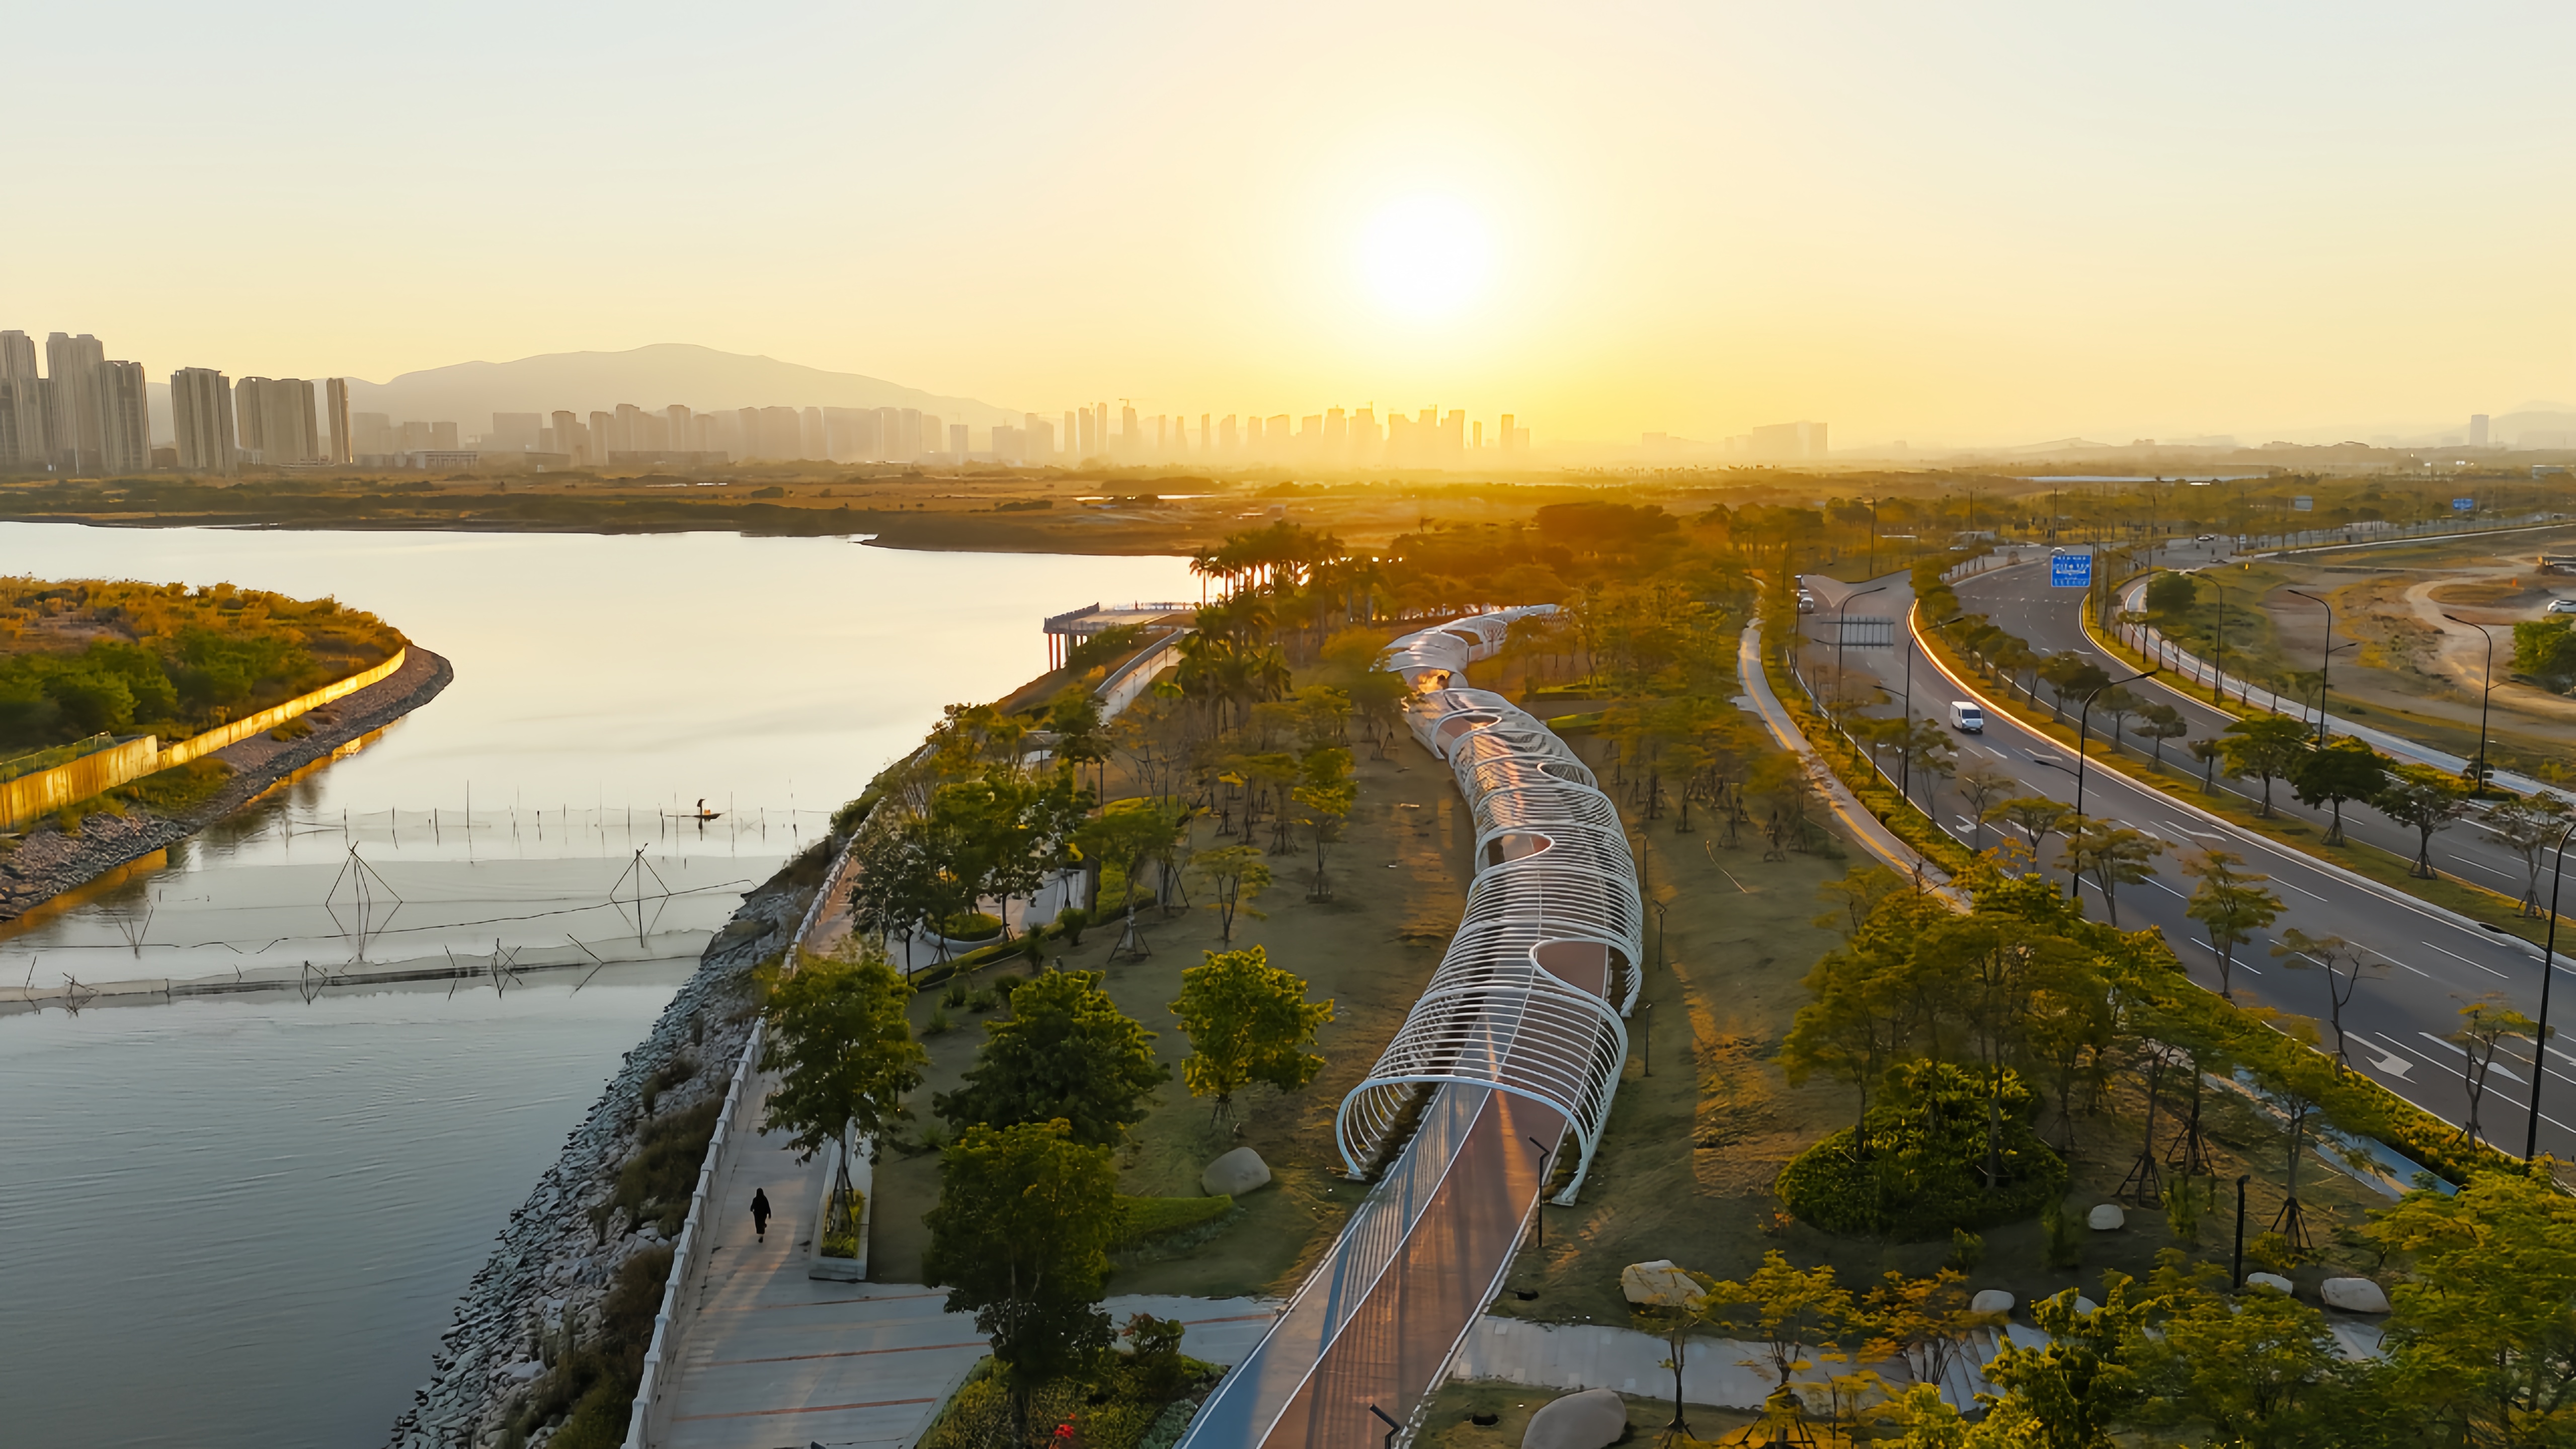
47 863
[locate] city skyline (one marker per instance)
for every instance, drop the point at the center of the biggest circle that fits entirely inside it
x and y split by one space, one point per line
1850 218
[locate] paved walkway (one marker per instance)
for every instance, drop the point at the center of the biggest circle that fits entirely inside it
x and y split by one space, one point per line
776 1360
1872 833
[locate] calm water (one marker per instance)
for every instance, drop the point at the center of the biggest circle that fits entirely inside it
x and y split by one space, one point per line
243 1221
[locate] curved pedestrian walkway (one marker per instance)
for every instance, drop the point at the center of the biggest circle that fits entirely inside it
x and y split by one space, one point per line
1513 1049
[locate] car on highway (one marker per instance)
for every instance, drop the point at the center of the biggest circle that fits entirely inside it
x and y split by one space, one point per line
1967 718
2205 538
1806 602
2561 606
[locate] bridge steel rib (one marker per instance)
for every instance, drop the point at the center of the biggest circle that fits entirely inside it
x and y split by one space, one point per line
1515 1045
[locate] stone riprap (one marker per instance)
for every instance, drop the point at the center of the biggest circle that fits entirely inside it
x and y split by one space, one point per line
550 1260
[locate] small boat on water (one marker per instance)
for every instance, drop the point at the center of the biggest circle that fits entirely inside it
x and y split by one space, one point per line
703 813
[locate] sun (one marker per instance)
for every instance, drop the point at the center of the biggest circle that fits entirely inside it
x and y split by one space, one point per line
1427 256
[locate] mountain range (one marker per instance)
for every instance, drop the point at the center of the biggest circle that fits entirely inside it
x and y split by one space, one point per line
654 377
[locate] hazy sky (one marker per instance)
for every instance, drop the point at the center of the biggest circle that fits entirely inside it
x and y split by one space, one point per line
1986 222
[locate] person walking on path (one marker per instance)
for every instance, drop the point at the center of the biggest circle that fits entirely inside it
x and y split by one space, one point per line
760 1213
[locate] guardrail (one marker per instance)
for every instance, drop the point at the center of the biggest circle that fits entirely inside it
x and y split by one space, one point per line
648 1418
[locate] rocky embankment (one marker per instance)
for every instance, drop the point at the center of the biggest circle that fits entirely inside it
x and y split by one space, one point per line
48 861
550 1259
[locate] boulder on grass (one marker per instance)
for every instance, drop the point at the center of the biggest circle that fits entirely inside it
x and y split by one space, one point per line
1659 1284
1592 1419
2353 1295
2086 1305
1235 1174
2273 1281
2106 1218
1991 1300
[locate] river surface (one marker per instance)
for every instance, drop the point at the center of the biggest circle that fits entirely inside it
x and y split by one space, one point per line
244 1220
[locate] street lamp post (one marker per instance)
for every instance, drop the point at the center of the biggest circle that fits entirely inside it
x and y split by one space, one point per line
2218 654
1845 603
2540 1029
2084 729
2325 659
2485 695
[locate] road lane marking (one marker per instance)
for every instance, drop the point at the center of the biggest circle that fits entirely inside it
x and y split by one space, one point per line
2498 1068
2390 1062
2456 956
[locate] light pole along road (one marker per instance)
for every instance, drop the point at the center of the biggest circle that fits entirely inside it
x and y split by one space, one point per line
2396 1021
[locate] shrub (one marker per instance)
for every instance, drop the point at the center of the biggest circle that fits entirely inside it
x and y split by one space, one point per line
657 1180
1916 1169
1142 1219
670 1074
971 926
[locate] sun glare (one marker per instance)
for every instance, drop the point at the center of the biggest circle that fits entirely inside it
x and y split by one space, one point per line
1427 256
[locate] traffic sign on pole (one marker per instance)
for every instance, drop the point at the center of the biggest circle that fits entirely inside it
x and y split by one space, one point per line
2070 571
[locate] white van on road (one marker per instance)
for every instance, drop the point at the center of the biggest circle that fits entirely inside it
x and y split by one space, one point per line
1966 718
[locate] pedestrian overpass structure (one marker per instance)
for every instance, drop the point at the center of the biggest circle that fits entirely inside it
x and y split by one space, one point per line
1502 1072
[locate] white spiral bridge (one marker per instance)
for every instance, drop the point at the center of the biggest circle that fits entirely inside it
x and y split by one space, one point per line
1523 1001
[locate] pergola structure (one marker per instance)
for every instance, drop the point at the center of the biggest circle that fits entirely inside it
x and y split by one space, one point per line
1530 997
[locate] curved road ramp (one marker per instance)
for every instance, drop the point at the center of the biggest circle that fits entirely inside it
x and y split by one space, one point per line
1508 1060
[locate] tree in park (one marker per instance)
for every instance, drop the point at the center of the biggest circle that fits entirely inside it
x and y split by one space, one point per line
1020 1238
2344 770
2344 962
2425 800
1126 835
843 1048
1796 1318
839 1039
1325 793
2485 1024
2530 826
2263 1370
1868 995
2113 855
2162 722
2171 593
2267 749
1247 1022
2482 1345
1983 786
2069 1393
2230 904
1080 738
1235 875
1065 1051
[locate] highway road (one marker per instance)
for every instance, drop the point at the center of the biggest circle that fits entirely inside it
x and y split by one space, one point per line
2432 963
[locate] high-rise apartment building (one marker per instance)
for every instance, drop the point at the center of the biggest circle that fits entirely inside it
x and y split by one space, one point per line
571 438
810 439
957 442
2477 430
71 365
514 433
201 414
1037 441
24 428
335 413
274 420
124 418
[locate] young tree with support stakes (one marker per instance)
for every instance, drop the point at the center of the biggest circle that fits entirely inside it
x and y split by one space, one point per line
1325 792
1235 875
2268 749
1248 1022
1982 786
2039 818
1795 1318
2344 962
2344 770
2230 904
2529 826
2162 722
2485 1025
2425 800
2208 752
1020 1238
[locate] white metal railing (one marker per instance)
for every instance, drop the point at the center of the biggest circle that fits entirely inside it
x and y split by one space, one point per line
649 1417
1553 909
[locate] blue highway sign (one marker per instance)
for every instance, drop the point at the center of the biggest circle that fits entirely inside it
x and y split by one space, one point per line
2070 570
